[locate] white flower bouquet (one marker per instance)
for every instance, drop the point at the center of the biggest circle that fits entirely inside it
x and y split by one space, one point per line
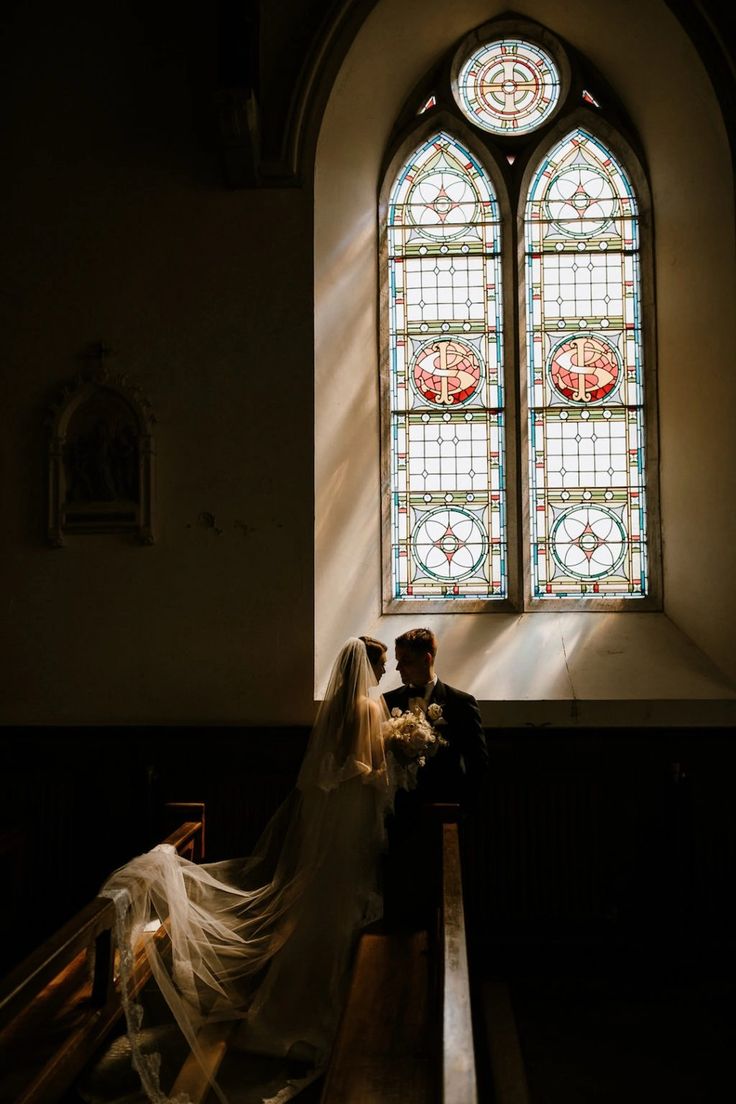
412 737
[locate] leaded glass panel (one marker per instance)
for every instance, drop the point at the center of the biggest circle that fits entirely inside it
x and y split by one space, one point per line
509 86
448 510
585 376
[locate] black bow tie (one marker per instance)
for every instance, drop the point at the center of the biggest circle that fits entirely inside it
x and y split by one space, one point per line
417 691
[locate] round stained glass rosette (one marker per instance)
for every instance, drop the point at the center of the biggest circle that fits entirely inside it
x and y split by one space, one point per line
580 201
588 542
509 86
449 543
442 203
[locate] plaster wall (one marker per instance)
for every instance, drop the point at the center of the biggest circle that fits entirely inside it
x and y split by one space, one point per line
120 229
687 652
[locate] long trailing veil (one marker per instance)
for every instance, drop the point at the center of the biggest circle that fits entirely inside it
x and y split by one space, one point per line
266 941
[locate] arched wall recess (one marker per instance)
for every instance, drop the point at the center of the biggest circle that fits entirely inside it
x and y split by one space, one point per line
510 657
291 134
101 459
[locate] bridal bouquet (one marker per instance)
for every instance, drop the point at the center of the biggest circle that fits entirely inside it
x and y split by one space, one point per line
412 737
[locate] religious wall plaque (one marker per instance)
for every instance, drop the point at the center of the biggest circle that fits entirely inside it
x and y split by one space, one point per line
101 458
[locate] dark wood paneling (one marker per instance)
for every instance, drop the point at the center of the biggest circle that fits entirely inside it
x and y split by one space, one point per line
77 803
619 835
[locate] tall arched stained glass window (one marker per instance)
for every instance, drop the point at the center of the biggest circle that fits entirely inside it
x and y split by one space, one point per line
585 376
538 495
445 380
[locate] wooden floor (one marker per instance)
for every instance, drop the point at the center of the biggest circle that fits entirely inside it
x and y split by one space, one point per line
394 976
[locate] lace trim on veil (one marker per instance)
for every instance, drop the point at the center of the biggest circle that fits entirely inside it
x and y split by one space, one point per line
147 1065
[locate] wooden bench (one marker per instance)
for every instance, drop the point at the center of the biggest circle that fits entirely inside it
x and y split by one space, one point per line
58 1006
459 1084
406 1035
406 1028
193 1080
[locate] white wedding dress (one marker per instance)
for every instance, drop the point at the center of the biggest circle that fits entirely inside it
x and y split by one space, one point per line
265 943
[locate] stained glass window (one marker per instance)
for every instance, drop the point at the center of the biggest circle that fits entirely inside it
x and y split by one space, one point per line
585 365
509 86
574 517
448 510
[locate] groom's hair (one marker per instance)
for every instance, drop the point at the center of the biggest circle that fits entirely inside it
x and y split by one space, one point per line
374 648
419 641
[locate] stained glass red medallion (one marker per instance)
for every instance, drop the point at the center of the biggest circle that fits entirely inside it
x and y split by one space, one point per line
446 373
584 368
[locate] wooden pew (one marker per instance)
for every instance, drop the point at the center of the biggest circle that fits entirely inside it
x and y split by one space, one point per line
58 1006
458 1055
408 1003
193 1080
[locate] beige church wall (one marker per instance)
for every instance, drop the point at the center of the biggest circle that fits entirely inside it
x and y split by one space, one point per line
670 667
118 227
696 295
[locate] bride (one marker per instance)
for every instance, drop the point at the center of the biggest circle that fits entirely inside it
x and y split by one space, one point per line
262 946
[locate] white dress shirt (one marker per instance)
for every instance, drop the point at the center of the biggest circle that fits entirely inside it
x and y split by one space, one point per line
421 701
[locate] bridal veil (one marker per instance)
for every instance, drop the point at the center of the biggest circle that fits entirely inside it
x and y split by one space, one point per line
265 942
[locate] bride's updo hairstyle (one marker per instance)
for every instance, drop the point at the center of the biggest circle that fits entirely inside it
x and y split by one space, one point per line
374 648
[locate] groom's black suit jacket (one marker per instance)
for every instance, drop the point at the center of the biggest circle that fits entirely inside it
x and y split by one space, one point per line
455 773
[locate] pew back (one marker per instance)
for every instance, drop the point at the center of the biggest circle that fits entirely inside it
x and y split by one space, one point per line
58 1005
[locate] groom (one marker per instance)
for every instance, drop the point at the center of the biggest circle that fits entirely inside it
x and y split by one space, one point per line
454 774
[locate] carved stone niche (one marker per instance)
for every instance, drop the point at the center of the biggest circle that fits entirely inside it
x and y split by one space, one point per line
101 460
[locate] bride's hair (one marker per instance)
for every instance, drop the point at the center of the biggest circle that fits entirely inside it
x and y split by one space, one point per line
374 648
346 738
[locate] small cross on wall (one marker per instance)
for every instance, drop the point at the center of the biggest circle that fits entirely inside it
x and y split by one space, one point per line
95 355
